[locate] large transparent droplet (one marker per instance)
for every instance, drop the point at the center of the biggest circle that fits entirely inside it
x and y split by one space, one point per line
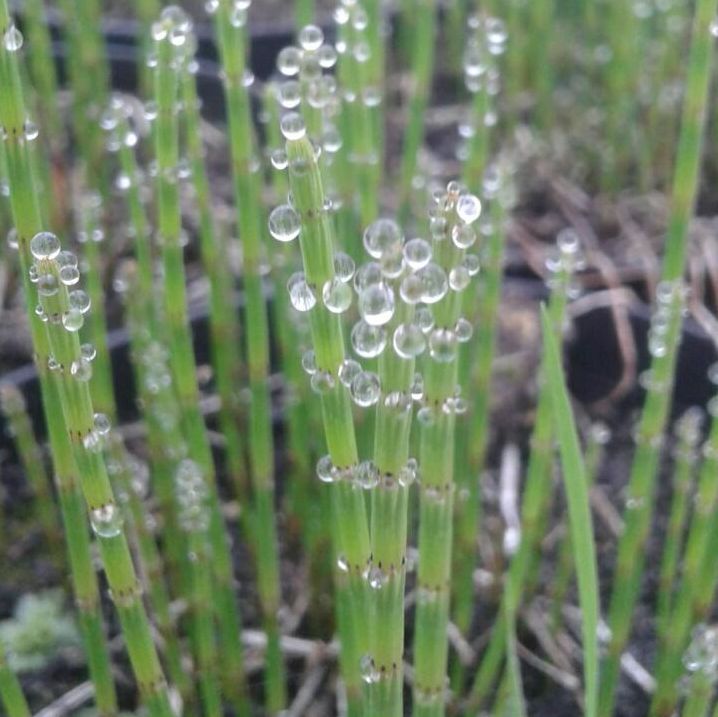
435 283
382 236
300 293
337 295
12 39
409 341
417 253
289 61
348 371
468 208
442 345
365 389
284 224
292 126
368 341
45 245
376 304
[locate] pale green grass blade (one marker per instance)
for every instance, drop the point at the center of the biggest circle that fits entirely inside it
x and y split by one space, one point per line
581 525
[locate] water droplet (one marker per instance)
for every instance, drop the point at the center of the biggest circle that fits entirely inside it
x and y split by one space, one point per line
365 389
292 126
463 236
348 371
382 236
326 471
376 304
702 653
12 39
342 564
300 293
309 362
311 38
459 278
425 416
102 424
468 208
417 387
434 283
417 253
284 224
12 238
88 351
73 320
81 370
106 521
368 341
442 345
407 474
279 159
366 475
79 300
471 263
411 289
463 330
344 266
368 275
368 670
45 245
289 94
377 578
31 131
714 27
337 295
47 285
322 382
409 341
69 275
289 61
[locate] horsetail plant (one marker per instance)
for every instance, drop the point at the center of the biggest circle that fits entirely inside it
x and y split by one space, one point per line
11 694
422 65
326 273
27 223
696 559
230 21
12 405
688 431
170 35
664 338
451 270
224 323
392 278
535 503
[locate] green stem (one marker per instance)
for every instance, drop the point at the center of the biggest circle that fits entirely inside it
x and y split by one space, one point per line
246 177
630 560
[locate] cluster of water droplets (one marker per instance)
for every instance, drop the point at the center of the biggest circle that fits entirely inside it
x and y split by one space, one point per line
564 261
365 475
354 51
689 430
486 42
236 10
307 83
670 303
192 495
55 270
